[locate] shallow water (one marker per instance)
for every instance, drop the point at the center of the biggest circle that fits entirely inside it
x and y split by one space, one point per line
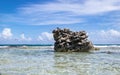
16 61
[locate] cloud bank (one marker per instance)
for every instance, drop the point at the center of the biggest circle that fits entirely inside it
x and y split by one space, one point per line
111 36
7 36
106 36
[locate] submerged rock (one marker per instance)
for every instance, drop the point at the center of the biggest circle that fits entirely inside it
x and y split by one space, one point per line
66 41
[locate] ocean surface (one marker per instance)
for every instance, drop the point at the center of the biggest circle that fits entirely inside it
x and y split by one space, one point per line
42 60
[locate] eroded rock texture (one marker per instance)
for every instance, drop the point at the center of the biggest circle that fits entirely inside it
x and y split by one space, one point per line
67 40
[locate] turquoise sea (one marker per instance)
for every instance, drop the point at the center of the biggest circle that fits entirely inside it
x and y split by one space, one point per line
42 60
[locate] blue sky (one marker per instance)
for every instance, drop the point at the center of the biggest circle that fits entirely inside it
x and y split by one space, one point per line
32 21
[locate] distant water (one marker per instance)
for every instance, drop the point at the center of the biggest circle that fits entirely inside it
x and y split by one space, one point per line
42 60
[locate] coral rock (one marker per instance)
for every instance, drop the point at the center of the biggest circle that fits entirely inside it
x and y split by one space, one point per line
66 41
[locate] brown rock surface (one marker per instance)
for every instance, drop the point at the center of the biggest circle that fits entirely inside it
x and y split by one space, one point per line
66 40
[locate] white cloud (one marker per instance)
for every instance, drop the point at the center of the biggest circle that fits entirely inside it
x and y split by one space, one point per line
25 38
110 33
73 7
6 36
62 11
45 36
106 36
6 33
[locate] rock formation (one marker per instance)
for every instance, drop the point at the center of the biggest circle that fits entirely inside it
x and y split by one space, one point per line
66 40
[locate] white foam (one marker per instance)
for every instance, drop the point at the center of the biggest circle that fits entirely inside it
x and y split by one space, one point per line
3 47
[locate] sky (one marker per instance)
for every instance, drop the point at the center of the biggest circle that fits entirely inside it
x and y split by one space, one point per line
32 21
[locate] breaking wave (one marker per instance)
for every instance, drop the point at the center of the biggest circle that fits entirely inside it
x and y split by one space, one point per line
102 47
